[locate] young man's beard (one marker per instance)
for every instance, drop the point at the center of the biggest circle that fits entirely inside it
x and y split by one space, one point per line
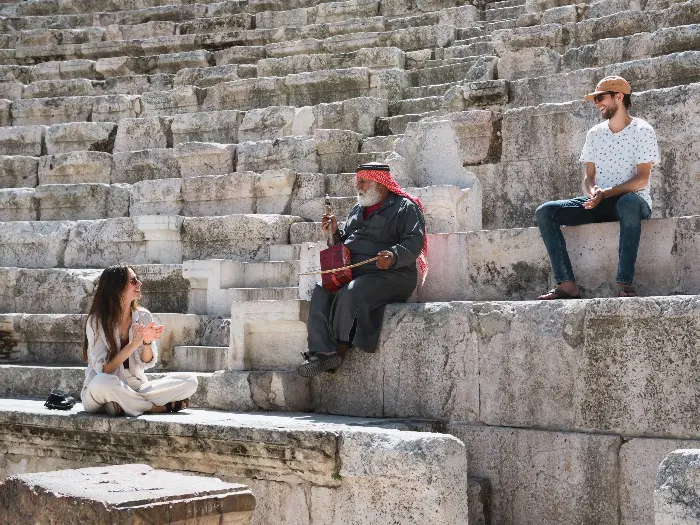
609 112
371 197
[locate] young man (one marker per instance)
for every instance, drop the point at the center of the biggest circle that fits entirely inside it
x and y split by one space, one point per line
386 222
619 154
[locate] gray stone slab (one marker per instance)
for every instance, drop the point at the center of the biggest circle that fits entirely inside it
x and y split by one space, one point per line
544 476
143 133
18 171
676 489
33 244
123 494
22 140
76 167
82 201
80 136
100 243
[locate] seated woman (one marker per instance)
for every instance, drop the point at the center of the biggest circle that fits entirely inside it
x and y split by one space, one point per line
119 345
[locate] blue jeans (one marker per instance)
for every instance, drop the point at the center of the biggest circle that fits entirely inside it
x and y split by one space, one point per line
630 209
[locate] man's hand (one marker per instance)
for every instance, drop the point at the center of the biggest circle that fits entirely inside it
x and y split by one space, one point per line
386 258
597 195
329 221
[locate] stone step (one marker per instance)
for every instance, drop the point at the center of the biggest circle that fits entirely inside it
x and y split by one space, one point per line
200 358
441 74
495 14
490 27
505 3
51 339
374 156
46 7
223 390
141 240
472 40
428 91
397 125
463 33
36 290
286 293
379 144
469 50
344 459
415 105
284 252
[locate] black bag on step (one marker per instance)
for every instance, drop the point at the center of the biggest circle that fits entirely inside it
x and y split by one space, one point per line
59 400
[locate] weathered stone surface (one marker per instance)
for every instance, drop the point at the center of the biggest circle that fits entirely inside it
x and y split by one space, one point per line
82 201
208 76
236 237
185 99
143 133
99 243
245 94
80 136
344 463
676 489
308 89
576 472
33 244
59 88
47 291
156 197
529 62
357 114
207 126
266 124
17 204
639 463
41 111
133 166
298 153
203 158
75 168
123 494
18 171
22 140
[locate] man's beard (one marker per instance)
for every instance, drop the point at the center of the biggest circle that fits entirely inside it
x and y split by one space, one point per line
609 113
370 197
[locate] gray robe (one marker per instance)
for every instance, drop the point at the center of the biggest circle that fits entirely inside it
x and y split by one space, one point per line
354 314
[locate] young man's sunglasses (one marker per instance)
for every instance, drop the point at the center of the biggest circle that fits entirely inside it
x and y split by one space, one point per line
600 96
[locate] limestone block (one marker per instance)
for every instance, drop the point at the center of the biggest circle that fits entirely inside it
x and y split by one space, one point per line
308 89
17 204
184 99
143 133
678 14
82 201
208 76
163 238
560 15
307 46
48 291
298 153
236 237
218 195
139 31
548 35
174 62
450 209
136 85
55 338
33 244
462 16
394 385
99 243
336 150
619 24
245 94
676 489
80 136
266 124
18 171
124 66
578 472
639 464
278 67
156 197
125 494
273 19
239 55
11 90
529 62
357 114
205 158
75 168
207 126
340 11
446 280
381 58
483 69
76 69
59 88
673 39
307 198
478 133
113 108
388 84
608 50
273 191
134 166
22 140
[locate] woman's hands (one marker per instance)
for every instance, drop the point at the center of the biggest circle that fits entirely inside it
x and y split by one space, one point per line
145 334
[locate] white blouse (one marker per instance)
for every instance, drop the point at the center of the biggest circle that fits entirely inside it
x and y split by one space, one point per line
98 349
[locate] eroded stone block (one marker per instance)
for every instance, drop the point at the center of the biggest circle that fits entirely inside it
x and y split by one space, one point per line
82 201
75 168
207 126
133 166
676 490
80 136
18 171
22 140
143 133
205 158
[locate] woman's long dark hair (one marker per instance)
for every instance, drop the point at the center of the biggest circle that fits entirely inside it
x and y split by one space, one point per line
106 309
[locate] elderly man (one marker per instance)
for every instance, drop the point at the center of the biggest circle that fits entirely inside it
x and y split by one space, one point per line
619 154
386 222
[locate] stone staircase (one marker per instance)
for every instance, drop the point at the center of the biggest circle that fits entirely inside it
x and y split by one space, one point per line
197 141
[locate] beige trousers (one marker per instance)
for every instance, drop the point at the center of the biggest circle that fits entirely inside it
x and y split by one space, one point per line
134 398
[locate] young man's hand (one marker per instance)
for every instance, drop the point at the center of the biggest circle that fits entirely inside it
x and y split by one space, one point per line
597 195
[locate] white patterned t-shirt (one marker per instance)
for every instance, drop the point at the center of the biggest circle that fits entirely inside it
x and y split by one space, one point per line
616 155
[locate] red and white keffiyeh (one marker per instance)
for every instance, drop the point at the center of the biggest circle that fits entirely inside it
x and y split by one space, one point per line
380 173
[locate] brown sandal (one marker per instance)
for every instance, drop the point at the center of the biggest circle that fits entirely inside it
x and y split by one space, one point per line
558 293
626 290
